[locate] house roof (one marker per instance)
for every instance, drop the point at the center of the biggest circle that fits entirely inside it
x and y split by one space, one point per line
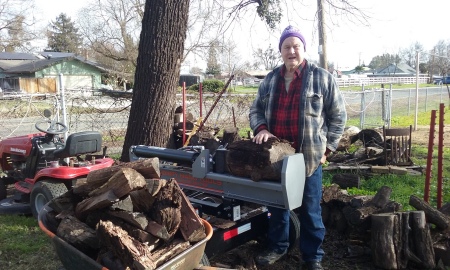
36 65
17 56
400 68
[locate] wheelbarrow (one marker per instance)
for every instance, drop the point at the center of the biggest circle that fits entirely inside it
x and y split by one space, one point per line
74 259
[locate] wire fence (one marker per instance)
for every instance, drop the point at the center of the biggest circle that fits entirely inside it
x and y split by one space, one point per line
92 110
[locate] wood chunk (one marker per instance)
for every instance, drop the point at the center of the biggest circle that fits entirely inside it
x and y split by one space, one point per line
167 207
125 204
191 226
142 222
423 245
170 251
77 233
382 196
130 251
346 180
93 203
258 161
121 183
382 241
144 198
433 215
149 168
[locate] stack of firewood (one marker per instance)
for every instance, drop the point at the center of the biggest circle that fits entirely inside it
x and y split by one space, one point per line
396 239
125 215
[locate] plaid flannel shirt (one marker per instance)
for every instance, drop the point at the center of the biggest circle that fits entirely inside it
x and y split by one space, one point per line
322 114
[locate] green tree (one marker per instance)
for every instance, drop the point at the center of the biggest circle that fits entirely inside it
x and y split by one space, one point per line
381 61
212 64
62 35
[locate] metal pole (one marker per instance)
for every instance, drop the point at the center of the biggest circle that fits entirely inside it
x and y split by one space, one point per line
63 104
417 90
429 171
440 167
184 113
362 116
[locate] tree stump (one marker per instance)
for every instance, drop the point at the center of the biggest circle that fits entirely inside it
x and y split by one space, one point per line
383 243
258 161
346 180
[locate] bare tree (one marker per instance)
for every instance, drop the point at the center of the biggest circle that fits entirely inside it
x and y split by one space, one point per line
269 58
111 29
440 58
408 55
16 25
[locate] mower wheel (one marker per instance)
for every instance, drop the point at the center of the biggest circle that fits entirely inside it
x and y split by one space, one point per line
2 189
43 192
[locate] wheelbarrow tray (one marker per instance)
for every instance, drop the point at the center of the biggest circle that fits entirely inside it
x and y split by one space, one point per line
73 259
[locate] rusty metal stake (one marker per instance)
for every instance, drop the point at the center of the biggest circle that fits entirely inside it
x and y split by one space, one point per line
428 172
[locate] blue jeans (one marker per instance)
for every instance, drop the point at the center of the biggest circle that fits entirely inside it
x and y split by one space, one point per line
312 230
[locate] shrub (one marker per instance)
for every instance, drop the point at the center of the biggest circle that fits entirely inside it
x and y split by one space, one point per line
209 86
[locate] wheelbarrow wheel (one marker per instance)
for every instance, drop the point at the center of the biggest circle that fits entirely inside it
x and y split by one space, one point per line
205 261
43 192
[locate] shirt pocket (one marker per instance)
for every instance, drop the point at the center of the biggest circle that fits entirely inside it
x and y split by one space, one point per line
314 104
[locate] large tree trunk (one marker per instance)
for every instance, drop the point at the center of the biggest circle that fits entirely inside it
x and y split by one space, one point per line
157 73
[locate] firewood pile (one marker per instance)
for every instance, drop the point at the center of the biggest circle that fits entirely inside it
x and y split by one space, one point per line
396 240
126 216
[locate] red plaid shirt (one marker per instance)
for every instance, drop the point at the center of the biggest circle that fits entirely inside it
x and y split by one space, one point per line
286 110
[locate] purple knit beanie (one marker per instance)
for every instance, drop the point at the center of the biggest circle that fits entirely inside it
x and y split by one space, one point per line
291 31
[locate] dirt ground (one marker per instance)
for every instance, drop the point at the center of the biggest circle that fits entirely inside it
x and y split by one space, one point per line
338 253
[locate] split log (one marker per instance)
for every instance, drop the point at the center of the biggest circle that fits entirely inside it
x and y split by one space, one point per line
383 241
173 249
346 180
382 197
144 198
370 137
93 203
121 183
360 201
125 204
191 226
142 222
230 135
167 207
347 137
131 252
445 209
423 245
433 215
258 161
148 168
78 234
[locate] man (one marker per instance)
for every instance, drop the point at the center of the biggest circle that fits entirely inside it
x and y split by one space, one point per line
299 102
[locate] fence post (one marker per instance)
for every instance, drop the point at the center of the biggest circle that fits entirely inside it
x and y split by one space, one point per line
389 106
363 105
409 102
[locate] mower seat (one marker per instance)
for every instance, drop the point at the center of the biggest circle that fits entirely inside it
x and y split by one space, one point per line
80 143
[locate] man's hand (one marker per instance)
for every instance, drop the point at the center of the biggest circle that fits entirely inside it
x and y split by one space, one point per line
323 159
262 136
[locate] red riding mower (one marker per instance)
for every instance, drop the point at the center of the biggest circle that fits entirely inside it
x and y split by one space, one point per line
41 166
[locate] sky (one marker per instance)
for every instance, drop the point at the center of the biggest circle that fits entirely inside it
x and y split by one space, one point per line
394 25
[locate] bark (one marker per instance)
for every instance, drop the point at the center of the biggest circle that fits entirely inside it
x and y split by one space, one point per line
258 161
161 48
433 215
121 183
423 245
383 243
346 180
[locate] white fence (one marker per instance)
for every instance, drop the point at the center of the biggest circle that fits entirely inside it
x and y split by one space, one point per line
346 82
